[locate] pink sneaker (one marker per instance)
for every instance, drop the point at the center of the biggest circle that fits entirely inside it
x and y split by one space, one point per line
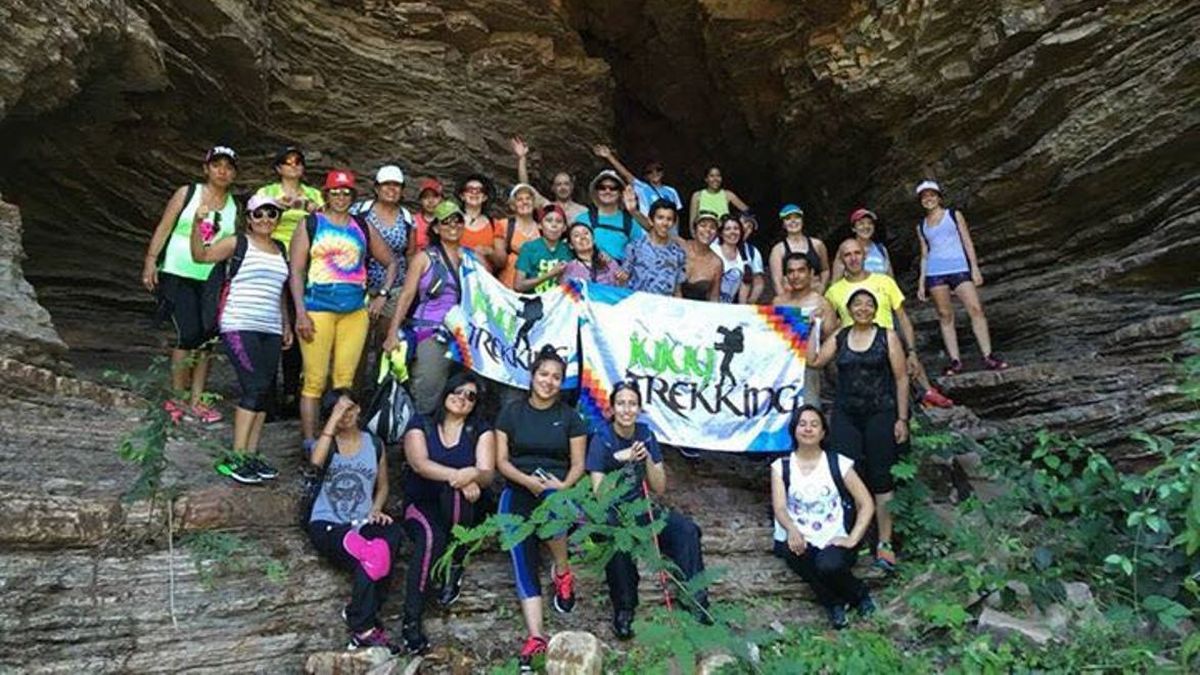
205 414
174 409
373 554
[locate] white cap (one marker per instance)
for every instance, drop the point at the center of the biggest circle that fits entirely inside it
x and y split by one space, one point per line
389 173
512 194
928 185
260 200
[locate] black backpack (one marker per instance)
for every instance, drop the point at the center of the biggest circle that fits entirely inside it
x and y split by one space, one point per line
313 480
849 508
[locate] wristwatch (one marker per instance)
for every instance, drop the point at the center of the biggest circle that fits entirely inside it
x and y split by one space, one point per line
384 292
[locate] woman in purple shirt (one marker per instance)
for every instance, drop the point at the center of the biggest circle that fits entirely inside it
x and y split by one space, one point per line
591 263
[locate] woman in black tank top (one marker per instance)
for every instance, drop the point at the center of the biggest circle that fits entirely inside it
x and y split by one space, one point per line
796 241
870 412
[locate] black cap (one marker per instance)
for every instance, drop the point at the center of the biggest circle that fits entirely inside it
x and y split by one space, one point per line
289 150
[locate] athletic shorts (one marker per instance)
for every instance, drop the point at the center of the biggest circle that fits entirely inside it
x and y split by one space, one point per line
952 280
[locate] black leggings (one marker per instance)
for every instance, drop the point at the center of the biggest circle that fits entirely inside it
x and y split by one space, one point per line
829 571
366 596
680 543
182 299
868 439
428 523
254 357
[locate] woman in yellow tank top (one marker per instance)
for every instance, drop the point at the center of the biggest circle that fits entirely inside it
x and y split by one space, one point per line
714 198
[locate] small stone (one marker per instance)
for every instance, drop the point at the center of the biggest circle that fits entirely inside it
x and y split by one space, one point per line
574 653
1079 595
713 663
357 662
1003 624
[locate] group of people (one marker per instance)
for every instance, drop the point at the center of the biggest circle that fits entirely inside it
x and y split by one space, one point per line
341 273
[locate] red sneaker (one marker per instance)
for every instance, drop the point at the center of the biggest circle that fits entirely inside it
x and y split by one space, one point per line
205 414
936 399
174 409
534 645
564 591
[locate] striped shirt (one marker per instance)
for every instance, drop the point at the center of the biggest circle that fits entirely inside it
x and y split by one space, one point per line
253 301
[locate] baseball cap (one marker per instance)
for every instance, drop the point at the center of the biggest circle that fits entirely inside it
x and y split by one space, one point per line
218 151
512 194
447 208
389 173
432 185
928 185
860 213
789 209
707 215
258 201
289 150
339 178
606 174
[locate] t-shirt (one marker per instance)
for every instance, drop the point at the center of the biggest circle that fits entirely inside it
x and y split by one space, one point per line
602 272
348 489
647 194
655 268
605 443
883 287
537 258
540 438
813 501
290 217
458 456
609 231
484 237
421 230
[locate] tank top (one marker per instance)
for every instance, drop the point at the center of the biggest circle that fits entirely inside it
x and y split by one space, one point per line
290 218
395 235
865 381
253 300
732 272
695 290
177 256
457 456
337 271
348 489
508 276
814 260
876 260
715 202
438 291
946 253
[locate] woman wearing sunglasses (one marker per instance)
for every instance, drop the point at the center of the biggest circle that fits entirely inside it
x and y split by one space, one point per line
253 325
452 459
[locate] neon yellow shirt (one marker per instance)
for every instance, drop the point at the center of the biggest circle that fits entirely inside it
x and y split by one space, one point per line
883 287
291 217
177 259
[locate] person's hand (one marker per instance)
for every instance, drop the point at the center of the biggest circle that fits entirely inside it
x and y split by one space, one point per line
343 404
921 292
471 492
900 431
305 328
796 543
391 342
629 195
621 277
287 338
462 477
375 307
638 452
602 151
551 482
977 277
519 147
557 269
150 274
536 486
842 542
379 518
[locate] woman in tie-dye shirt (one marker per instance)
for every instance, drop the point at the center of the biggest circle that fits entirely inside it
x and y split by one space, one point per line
328 283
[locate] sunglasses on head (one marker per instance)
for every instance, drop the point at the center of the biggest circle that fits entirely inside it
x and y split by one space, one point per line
466 393
265 212
341 192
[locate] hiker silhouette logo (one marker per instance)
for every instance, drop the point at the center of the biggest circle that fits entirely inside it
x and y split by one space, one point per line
733 342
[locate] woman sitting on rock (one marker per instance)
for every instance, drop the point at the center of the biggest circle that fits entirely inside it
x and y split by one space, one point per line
624 444
870 409
540 447
254 327
452 457
811 502
348 525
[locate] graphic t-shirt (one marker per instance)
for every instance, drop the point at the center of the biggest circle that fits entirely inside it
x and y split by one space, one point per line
337 271
609 232
540 438
653 268
883 287
348 489
813 501
605 443
537 258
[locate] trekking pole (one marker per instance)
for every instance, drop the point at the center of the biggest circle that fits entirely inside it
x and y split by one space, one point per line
662 574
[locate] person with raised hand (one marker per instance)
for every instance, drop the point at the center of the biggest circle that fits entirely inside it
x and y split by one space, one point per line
812 489
562 186
798 280
540 446
613 215
519 229
649 190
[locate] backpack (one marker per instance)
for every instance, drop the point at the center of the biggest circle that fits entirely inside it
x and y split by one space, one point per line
849 508
311 483
391 406
626 221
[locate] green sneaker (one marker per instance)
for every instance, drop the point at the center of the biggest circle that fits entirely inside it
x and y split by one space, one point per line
236 467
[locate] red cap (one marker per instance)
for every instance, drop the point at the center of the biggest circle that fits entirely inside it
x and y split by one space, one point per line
430 184
339 178
860 213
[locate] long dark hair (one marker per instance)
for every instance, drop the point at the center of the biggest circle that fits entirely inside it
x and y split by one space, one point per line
795 422
454 382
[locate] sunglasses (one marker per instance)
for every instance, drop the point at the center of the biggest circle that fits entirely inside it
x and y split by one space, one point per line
341 192
292 161
466 394
607 187
265 212
472 190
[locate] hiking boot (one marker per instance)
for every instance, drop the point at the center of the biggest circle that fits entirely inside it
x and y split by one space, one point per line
564 591
415 641
954 368
885 558
205 414
265 471
866 606
936 399
453 587
837 617
993 362
346 618
376 637
534 645
237 468
623 624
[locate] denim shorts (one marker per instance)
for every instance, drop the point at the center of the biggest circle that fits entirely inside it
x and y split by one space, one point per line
952 280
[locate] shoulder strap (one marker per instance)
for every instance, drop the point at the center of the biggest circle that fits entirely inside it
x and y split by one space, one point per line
239 255
310 226
366 230
509 233
836 472
593 216
785 466
282 249
626 222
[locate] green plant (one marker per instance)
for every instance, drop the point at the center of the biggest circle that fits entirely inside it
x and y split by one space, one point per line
217 554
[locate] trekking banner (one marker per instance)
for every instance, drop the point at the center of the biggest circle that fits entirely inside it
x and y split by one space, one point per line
713 376
496 332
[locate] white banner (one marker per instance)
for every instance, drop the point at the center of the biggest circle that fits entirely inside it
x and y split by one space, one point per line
713 376
496 332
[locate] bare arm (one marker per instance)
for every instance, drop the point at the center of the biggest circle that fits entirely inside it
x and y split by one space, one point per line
604 152
656 477
823 254
924 259
693 206
736 201
838 269
381 485
222 249
779 502
298 277
775 267
382 253
578 453
830 322
757 286
158 240
485 459
906 328
864 507
818 359
408 293
900 373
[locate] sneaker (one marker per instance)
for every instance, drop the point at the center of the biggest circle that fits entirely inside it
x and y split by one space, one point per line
346 617
175 409
936 399
564 591
954 368
237 468
623 624
265 471
837 617
453 587
534 645
415 641
885 557
376 637
866 606
205 414
993 362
